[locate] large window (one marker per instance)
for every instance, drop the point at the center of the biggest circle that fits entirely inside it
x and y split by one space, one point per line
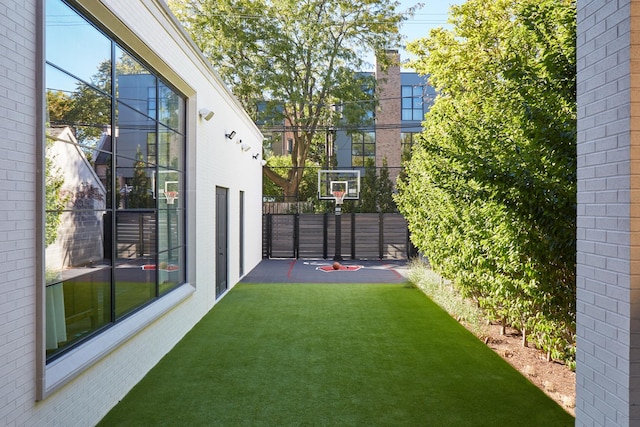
413 103
115 179
363 147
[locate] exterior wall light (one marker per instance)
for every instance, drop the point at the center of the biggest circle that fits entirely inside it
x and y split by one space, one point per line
206 114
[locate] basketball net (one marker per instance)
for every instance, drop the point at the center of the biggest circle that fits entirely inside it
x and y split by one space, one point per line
339 196
170 196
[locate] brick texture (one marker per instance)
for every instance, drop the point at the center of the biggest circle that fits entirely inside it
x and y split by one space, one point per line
388 115
608 214
17 207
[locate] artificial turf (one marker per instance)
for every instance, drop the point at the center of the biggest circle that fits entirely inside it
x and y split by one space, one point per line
332 355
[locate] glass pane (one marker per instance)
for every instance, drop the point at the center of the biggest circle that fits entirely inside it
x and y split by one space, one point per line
135 273
170 149
75 200
135 186
135 285
135 236
407 91
369 138
76 46
170 189
171 271
417 103
406 102
357 161
133 172
73 104
369 150
169 228
134 131
135 85
407 114
417 115
172 108
77 303
102 165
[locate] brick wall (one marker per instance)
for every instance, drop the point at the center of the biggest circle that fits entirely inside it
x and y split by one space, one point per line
388 116
17 208
608 211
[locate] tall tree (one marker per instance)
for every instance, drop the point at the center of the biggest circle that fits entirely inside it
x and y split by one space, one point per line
139 196
296 60
369 186
491 189
386 203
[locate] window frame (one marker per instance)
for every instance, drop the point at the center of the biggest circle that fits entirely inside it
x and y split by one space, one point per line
89 340
412 105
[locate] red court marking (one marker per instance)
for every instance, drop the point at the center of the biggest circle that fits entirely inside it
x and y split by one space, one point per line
170 267
329 268
390 268
291 268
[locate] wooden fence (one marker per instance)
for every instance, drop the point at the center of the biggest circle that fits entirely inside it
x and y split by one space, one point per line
363 236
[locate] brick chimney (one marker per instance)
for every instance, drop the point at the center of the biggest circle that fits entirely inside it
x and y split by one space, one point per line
388 114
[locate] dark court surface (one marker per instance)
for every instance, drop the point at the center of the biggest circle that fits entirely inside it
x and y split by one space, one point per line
321 271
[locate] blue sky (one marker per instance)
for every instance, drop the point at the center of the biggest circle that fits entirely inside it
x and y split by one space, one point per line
434 13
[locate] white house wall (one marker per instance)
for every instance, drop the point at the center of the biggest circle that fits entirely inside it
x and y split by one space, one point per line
81 386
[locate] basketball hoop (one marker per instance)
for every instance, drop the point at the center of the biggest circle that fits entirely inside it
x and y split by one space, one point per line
170 196
339 196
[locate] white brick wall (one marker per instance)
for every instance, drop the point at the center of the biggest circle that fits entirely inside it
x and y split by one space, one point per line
17 207
84 399
607 254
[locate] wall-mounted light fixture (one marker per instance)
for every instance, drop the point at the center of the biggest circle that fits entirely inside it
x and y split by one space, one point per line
263 162
206 114
245 147
230 135
255 156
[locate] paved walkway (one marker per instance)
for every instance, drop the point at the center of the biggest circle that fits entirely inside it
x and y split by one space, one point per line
321 271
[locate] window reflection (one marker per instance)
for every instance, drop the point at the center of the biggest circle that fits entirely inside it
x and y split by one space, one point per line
170 145
109 206
171 108
134 286
135 85
77 303
171 271
71 103
169 223
363 146
89 58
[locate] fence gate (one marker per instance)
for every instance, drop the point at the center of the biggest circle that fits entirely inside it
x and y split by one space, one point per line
363 236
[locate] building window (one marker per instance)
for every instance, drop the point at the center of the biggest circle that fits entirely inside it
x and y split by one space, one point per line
115 178
363 146
412 103
407 139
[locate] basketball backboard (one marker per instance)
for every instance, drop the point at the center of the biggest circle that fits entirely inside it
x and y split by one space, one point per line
330 181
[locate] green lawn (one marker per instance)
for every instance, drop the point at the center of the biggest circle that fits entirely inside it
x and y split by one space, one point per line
333 355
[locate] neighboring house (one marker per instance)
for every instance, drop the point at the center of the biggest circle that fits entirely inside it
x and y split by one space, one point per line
125 213
404 99
79 240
